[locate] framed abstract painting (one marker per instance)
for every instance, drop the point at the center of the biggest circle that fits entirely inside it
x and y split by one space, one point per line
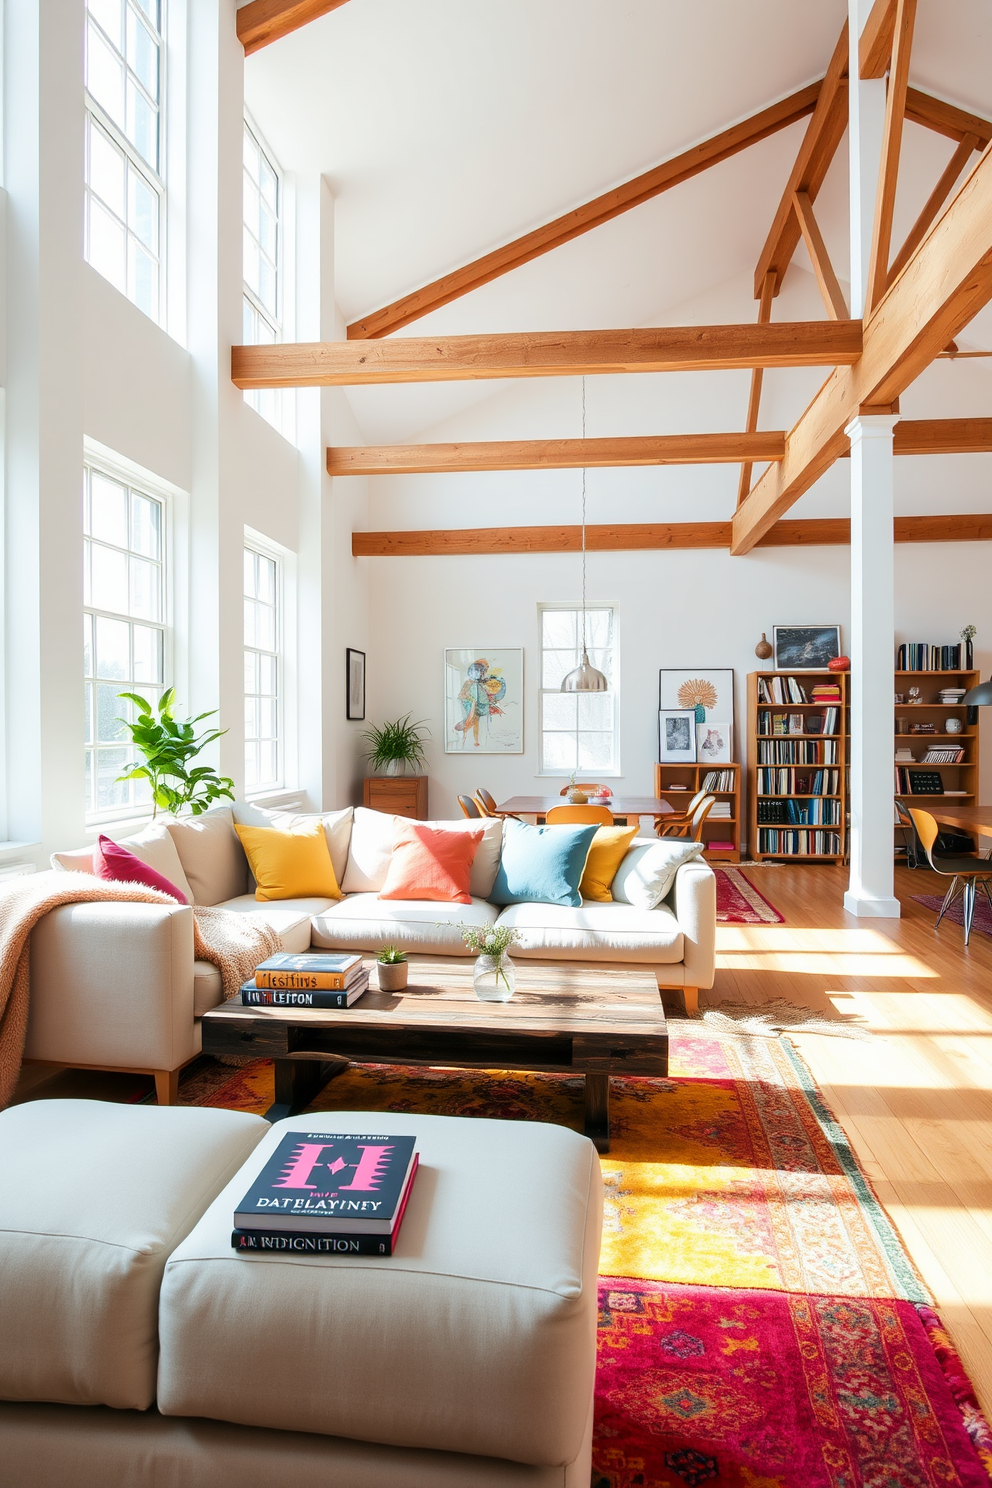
677 736
483 700
354 683
805 648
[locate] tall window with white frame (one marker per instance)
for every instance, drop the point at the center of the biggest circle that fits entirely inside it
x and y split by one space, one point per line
125 177
578 729
263 193
263 672
125 630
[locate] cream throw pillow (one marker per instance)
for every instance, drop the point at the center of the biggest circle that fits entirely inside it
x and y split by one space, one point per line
646 875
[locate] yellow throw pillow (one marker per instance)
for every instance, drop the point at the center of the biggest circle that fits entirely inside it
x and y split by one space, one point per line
290 865
609 848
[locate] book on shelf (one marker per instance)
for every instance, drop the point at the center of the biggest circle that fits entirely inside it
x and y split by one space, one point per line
720 810
917 656
327 1183
716 846
782 781
799 843
780 690
905 756
797 752
939 755
321 997
310 971
918 782
719 780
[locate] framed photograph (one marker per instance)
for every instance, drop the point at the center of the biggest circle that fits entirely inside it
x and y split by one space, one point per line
484 700
355 683
805 648
708 691
677 736
714 743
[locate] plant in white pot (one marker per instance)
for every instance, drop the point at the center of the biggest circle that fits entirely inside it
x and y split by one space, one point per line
393 748
167 746
393 969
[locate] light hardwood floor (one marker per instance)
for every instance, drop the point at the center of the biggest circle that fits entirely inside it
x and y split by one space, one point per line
915 1101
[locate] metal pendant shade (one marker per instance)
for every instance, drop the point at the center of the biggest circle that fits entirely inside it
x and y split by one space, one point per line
979 696
585 677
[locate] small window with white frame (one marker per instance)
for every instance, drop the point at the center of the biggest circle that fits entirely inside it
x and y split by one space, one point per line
264 671
263 253
125 178
126 637
578 730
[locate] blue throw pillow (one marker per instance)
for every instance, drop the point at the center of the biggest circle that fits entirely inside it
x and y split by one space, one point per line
541 865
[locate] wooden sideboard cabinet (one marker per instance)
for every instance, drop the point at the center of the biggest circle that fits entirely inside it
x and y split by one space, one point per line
401 795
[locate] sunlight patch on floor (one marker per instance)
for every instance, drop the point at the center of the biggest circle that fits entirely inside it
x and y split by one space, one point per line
788 938
815 952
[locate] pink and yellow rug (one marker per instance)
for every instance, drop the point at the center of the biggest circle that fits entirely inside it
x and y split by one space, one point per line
761 1323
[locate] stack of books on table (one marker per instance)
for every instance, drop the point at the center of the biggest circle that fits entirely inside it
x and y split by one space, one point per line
315 979
321 1193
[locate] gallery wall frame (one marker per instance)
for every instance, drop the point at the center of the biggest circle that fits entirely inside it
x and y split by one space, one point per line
354 684
483 700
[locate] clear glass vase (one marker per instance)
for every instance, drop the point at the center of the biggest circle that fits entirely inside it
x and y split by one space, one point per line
494 978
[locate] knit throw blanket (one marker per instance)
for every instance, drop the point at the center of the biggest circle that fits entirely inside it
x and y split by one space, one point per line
234 943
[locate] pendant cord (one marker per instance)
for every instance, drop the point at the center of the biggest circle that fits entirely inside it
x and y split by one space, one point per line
584 653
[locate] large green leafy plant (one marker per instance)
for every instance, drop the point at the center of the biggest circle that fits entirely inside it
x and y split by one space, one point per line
401 742
167 745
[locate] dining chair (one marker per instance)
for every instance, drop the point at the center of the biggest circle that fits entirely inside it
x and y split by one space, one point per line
485 799
560 815
469 805
676 817
689 827
481 804
965 872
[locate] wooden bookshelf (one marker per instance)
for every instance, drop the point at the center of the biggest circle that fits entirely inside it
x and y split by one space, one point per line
769 751
962 779
677 784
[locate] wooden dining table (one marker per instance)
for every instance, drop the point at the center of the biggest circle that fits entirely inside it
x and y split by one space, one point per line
966 818
628 806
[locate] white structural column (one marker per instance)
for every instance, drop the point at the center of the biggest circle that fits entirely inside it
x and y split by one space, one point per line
866 124
872 679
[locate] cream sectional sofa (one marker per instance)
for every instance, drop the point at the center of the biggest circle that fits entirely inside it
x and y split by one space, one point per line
116 986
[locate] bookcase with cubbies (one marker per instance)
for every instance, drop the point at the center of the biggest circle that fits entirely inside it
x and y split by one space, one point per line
677 784
935 765
798 752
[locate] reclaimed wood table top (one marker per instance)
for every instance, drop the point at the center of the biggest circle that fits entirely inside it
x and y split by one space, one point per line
551 998
619 805
966 818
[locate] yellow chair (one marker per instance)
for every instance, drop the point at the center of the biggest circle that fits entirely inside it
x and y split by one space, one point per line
584 815
690 827
964 872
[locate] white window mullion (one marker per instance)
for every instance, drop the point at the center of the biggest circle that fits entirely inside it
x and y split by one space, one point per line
578 731
264 671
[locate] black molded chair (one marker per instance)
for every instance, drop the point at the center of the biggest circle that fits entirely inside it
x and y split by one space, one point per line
965 873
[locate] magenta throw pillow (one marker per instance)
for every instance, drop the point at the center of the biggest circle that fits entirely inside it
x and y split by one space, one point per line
116 863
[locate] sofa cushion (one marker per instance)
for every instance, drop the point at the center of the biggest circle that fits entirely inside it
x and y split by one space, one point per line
374 833
430 862
208 988
93 1197
595 932
289 918
542 865
364 922
290 864
153 845
337 826
647 873
609 847
212 857
477 1335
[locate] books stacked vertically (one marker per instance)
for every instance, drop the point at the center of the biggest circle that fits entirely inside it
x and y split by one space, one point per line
325 1193
316 979
797 752
917 656
718 780
799 844
782 781
780 690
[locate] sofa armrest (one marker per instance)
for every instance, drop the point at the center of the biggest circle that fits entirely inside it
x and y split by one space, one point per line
693 900
112 985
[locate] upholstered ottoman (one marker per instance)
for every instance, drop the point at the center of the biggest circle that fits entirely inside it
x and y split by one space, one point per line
467 1357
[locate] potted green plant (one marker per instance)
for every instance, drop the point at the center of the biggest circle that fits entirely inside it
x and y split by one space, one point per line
167 745
395 747
392 969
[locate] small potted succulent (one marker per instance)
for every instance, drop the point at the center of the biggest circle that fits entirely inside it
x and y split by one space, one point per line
392 968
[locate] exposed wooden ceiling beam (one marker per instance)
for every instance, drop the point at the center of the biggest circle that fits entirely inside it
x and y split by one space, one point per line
945 283
875 42
651 536
582 219
945 118
912 437
555 454
934 202
264 21
833 295
888 175
823 135
807 343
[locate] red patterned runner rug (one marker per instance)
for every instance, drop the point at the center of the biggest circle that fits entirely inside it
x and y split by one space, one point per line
738 902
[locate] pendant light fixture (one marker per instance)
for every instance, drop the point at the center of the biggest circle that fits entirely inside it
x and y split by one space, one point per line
585 677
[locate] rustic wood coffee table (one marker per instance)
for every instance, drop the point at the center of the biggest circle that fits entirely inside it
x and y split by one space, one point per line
565 1017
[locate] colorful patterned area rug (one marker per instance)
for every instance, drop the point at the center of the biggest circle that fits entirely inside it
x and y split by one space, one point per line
761 1323
739 903
983 915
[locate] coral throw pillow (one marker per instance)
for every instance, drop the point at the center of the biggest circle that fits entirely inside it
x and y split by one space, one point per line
431 863
290 865
609 848
115 863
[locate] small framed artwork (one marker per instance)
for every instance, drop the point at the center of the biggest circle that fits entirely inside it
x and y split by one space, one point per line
483 700
714 743
677 736
355 683
805 648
